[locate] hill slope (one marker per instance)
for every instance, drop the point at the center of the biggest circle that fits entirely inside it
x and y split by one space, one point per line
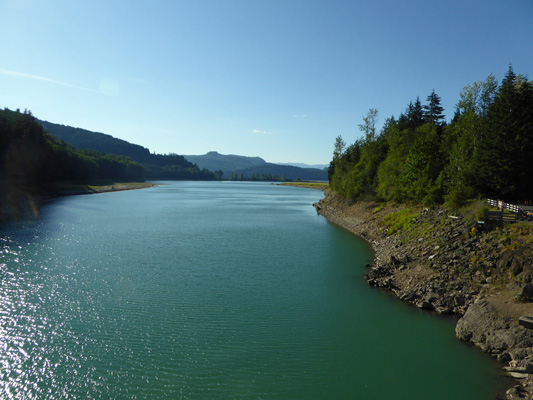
158 166
33 163
84 139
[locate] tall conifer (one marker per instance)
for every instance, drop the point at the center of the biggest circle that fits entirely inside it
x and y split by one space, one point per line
433 111
506 151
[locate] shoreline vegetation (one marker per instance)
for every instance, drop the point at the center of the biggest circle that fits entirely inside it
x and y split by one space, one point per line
413 190
485 151
434 260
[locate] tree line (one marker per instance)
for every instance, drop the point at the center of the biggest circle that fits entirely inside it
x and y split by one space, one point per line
485 151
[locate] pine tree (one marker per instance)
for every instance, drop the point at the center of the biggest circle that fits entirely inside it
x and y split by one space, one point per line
413 116
433 112
506 151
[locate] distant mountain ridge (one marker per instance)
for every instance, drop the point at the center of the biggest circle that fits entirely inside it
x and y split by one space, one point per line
302 165
174 166
236 167
215 161
284 172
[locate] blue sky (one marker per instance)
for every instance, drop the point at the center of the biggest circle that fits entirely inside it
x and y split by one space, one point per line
279 79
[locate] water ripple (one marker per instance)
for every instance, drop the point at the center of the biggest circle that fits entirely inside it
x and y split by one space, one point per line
245 295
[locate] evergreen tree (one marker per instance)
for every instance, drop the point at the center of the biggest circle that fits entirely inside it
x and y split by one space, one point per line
413 116
506 152
487 149
433 111
461 140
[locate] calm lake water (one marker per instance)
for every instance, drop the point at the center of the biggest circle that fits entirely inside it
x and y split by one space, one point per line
200 290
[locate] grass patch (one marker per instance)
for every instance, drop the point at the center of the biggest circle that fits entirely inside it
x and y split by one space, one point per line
400 221
425 230
378 208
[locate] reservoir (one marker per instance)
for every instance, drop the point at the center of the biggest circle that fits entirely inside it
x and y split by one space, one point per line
212 290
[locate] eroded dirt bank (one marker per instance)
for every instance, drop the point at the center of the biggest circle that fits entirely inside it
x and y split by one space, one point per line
439 264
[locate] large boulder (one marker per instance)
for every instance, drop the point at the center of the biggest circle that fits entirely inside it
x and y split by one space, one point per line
493 333
526 295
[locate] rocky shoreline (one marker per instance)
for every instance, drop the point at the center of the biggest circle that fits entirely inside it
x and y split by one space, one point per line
443 266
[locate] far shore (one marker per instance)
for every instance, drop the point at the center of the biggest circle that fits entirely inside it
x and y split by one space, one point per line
307 184
24 204
67 190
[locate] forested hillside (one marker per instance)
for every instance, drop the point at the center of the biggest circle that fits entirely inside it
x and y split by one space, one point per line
29 156
31 160
84 139
485 151
276 172
158 166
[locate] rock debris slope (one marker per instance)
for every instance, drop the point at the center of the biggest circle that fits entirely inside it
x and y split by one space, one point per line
439 263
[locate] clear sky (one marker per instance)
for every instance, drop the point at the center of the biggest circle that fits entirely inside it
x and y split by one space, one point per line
279 79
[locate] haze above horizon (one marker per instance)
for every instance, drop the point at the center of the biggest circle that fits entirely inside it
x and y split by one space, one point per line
276 79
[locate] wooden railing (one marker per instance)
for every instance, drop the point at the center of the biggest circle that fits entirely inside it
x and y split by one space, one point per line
505 206
508 214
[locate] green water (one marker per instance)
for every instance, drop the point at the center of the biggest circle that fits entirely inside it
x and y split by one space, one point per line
212 291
